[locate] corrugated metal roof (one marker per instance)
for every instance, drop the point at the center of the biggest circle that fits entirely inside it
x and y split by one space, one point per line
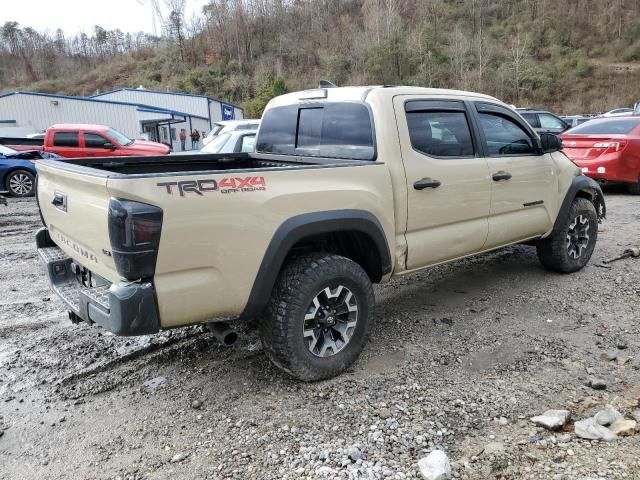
112 102
184 94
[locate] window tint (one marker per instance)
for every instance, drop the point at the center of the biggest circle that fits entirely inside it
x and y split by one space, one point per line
504 136
93 140
442 134
336 130
65 139
550 121
531 118
248 143
596 127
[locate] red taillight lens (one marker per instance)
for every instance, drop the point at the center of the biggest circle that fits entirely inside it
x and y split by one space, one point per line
611 146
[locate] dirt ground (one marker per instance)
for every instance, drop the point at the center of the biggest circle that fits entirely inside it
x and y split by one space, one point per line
460 358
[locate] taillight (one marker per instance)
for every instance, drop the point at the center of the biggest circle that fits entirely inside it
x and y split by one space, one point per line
614 146
134 232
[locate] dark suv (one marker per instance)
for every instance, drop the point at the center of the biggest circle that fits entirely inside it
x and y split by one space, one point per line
543 121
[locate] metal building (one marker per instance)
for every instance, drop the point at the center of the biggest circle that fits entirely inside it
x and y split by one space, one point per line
150 114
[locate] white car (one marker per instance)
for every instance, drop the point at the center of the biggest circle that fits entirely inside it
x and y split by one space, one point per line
235 141
619 112
228 126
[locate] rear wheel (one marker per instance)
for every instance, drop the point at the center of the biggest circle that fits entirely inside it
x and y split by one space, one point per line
634 188
570 246
20 183
319 316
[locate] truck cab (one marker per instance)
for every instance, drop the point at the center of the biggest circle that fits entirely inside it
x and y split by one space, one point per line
84 140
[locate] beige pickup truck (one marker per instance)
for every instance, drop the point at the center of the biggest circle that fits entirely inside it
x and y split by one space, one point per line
348 187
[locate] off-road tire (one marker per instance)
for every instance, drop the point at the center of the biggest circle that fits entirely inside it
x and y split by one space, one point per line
18 180
553 251
298 284
634 188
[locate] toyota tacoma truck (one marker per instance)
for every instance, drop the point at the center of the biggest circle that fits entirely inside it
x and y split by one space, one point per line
348 187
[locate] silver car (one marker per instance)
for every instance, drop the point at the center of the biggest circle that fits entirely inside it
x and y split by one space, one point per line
229 125
232 142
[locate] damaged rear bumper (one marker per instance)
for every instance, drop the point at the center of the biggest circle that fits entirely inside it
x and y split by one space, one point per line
123 308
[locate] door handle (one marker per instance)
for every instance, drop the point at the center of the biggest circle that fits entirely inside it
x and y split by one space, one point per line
426 183
501 175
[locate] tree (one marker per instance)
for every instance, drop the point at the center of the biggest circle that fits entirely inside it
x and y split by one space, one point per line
272 87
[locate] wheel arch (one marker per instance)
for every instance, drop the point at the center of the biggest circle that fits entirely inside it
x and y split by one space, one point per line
584 187
343 232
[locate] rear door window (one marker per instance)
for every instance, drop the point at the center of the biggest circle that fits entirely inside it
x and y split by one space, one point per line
331 129
550 121
65 139
532 119
440 134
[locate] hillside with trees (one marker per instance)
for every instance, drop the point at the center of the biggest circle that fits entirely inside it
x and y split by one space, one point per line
572 56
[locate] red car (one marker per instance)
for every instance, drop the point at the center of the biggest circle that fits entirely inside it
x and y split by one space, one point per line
84 140
607 150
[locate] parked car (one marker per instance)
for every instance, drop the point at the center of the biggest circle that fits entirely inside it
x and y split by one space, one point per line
234 141
618 112
347 187
575 120
607 150
86 140
17 170
229 125
543 121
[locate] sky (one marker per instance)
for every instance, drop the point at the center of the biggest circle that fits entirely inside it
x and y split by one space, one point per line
75 16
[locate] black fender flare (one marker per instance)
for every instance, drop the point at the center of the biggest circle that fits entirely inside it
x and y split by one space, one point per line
307 225
584 184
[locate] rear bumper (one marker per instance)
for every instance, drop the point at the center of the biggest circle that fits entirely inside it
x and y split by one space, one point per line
123 309
609 169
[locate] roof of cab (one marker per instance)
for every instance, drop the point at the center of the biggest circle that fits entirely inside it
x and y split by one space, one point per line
362 93
79 126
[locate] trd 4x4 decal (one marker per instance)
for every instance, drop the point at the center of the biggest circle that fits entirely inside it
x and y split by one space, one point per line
226 185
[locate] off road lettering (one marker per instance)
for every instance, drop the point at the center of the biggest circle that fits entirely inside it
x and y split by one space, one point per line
225 185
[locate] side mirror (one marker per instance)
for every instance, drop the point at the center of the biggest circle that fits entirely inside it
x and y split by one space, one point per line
550 143
109 146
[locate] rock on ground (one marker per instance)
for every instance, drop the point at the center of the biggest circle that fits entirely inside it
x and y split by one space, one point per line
435 466
552 419
607 416
589 429
623 428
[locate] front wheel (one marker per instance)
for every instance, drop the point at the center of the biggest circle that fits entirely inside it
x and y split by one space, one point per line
20 183
319 316
570 246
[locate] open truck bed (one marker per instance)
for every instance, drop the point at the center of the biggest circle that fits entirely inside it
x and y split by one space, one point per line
198 164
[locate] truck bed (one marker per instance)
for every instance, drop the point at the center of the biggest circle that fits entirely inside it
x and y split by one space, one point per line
200 163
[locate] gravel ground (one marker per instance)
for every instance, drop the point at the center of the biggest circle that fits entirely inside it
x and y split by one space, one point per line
461 357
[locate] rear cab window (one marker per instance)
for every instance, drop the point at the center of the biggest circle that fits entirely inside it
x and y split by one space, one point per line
65 139
318 129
